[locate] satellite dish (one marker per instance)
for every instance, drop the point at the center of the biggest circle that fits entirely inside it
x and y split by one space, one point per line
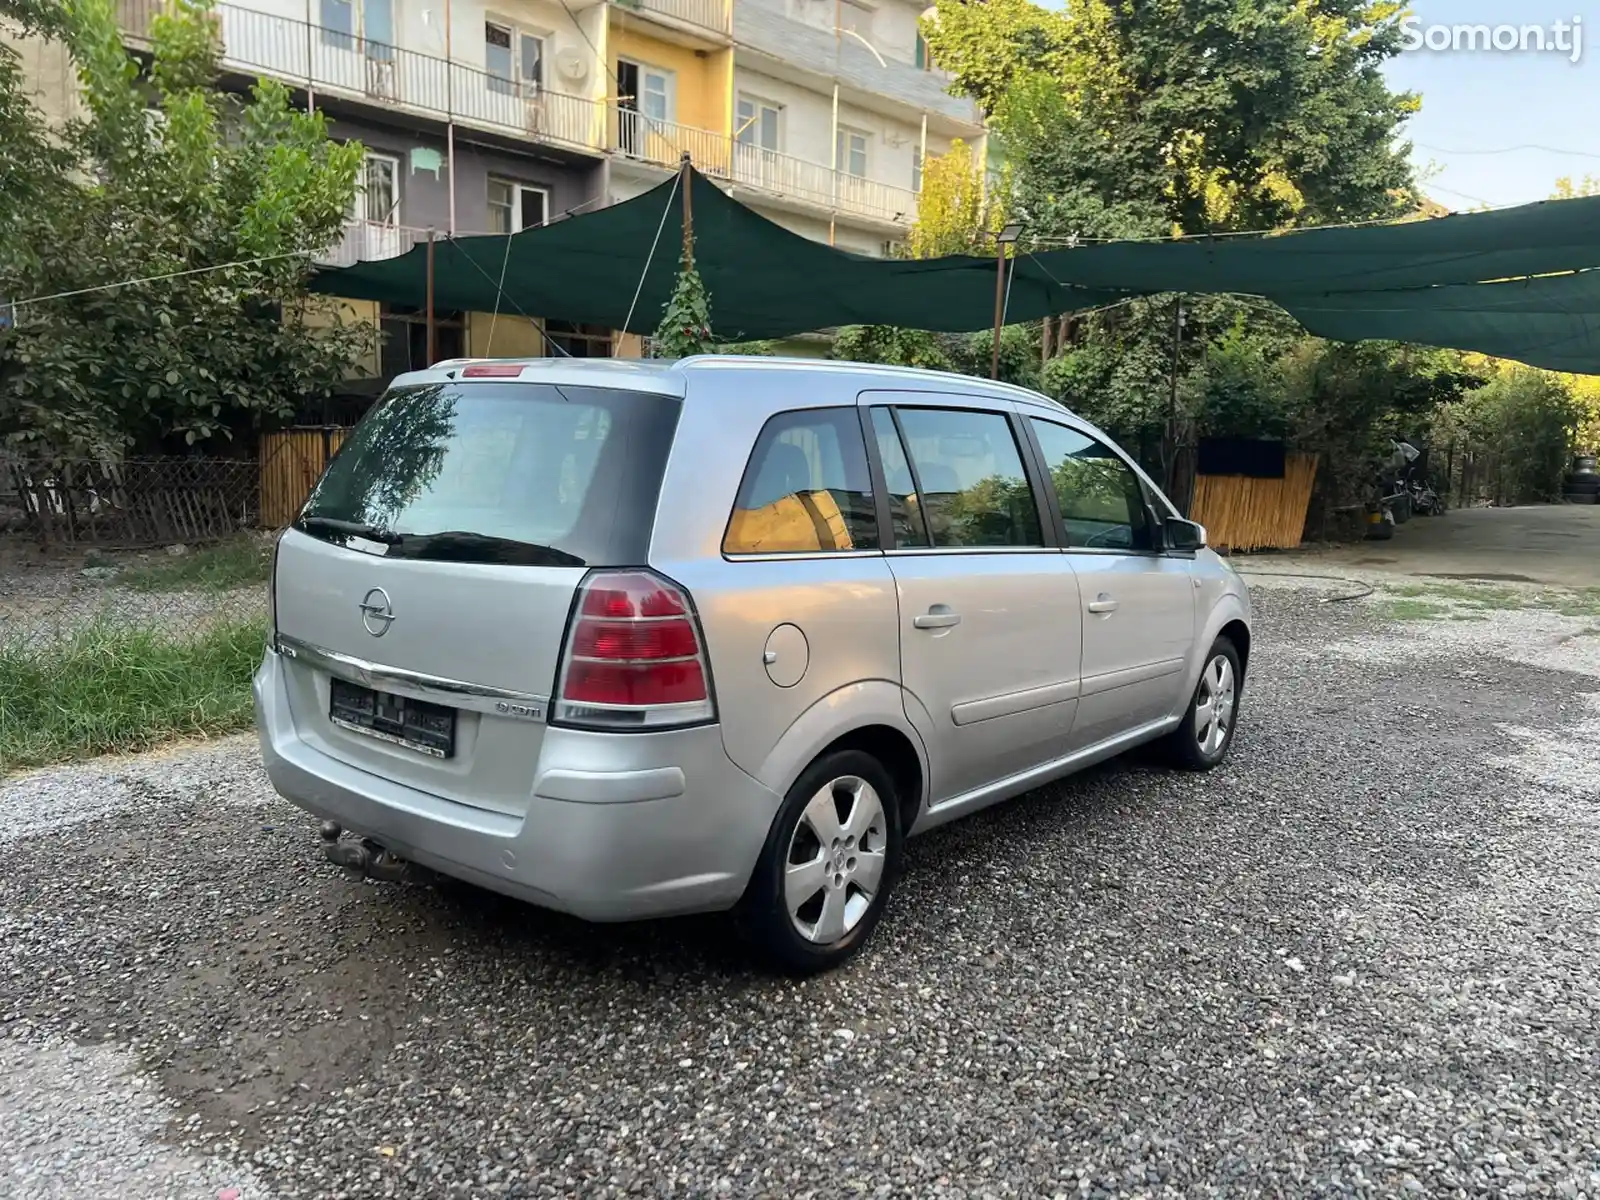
572 64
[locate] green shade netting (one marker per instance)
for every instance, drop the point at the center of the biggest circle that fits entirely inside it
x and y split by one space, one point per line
1429 282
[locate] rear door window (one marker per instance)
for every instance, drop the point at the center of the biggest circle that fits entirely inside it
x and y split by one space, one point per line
972 490
500 472
806 488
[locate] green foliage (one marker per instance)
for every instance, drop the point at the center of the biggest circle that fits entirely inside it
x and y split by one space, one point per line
1526 422
113 689
954 210
1200 115
213 206
888 344
217 568
685 327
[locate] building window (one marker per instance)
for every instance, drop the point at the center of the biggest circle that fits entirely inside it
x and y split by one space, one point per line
514 207
514 59
378 198
924 57
339 24
852 151
758 123
404 333
578 340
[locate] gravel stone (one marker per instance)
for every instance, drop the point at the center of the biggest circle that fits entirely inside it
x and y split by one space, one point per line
1089 992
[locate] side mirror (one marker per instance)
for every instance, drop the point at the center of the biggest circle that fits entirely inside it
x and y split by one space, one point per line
1184 537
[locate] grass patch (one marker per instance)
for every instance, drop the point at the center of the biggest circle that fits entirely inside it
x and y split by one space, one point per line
210 569
1413 610
109 690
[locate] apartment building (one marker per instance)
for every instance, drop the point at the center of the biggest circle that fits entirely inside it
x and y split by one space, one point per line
491 116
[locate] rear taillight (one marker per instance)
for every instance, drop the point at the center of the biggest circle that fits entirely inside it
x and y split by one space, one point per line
634 658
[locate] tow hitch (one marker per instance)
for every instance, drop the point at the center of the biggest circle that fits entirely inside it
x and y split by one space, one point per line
364 859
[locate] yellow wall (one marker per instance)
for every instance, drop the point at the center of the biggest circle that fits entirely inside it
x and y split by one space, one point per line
514 337
705 84
324 311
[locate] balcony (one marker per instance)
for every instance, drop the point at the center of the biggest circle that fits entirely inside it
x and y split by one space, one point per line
339 64
837 191
710 16
365 240
634 137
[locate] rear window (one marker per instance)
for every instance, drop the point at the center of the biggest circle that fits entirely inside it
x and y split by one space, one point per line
563 475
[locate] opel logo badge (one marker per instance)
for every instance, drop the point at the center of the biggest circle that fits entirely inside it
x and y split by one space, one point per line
377 614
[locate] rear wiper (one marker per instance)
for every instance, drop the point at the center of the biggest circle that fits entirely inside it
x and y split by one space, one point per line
354 528
461 546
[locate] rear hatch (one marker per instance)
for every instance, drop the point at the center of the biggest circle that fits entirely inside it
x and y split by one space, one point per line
422 595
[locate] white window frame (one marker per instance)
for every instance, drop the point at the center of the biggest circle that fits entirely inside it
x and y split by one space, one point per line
518 84
359 209
517 191
842 151
757 104
669 92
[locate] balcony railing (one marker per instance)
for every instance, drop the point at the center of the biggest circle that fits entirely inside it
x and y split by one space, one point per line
770 171
327 60
366 240
662 143
716 16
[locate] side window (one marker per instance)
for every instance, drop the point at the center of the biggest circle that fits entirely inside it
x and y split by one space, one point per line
972 489
806 489
1102 500
910 530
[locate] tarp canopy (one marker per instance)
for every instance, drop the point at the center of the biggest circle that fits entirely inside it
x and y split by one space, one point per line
1431 281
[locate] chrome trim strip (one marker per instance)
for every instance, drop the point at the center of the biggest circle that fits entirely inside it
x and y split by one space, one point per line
472 697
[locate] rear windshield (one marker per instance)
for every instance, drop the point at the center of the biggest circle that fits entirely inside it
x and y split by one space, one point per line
500 472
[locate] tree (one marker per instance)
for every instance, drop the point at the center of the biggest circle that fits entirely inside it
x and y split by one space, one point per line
954 208
159 248
1569 189
1195 115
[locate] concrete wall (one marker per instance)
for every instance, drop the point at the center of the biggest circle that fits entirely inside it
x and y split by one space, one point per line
425 200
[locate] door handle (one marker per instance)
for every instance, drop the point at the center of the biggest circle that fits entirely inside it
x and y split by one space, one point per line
939 618
1103 604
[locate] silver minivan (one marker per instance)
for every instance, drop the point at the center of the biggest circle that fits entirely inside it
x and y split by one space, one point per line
633 639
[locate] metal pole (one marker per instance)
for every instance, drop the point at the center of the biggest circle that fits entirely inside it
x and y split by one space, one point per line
999 307
450 115
433 331
833 153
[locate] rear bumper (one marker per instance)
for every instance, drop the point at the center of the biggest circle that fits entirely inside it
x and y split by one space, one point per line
620 826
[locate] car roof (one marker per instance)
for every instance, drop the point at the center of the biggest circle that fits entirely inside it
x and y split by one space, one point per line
671 377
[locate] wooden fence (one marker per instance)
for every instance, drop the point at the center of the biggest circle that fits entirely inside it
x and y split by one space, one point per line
291 464
1247 514
132 502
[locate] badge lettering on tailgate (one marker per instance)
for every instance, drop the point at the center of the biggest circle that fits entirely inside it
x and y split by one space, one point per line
522 712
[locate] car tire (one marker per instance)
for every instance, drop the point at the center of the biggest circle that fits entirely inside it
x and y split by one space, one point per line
828 866
1194 744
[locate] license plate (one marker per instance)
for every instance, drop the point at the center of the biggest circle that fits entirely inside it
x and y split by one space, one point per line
415 724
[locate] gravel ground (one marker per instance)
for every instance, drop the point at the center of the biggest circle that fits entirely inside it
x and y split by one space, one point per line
42 604
1359 959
